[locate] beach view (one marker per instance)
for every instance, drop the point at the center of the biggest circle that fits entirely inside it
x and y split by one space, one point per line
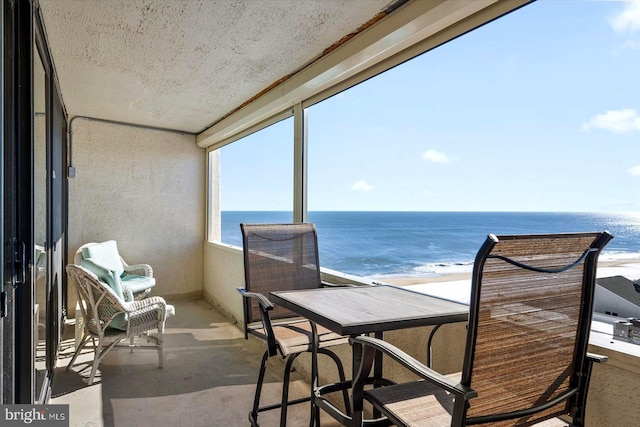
420 247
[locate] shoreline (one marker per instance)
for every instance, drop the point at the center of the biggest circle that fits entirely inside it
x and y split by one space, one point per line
629 268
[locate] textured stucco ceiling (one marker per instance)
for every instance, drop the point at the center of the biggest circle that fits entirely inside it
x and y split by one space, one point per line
184 64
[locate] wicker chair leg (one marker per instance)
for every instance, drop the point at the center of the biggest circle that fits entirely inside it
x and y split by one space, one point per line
96 360
160 345
83 342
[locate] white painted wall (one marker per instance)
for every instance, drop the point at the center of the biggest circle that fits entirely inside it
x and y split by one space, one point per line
223 274
607 301
614 387
146 190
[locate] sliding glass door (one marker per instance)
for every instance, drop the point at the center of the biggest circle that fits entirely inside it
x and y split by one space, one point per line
33 207
49 224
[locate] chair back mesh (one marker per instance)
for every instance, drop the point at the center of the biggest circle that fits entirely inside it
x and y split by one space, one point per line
279 257
530 326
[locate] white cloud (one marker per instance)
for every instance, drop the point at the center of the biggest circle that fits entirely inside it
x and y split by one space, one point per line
435 156
362 186
635 171
628 19
626 46
620 121
631 45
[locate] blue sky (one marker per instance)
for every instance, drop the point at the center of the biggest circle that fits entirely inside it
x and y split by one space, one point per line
537 111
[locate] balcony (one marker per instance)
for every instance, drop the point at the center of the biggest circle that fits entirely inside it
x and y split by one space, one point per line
210 369
135 179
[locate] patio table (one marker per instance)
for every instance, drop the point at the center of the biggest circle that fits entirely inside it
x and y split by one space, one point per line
363 310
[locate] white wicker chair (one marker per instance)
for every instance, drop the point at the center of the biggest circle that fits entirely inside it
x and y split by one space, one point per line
100 306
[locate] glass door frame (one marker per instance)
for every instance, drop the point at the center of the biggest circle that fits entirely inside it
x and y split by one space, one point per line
55 236
42 189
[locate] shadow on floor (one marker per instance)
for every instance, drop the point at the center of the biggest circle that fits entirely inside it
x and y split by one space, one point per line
208 378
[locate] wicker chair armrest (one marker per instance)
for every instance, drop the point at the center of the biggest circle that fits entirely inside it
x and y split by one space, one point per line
265 304
142 308
144 303
415 366
154 313
138 270
135 305
597 358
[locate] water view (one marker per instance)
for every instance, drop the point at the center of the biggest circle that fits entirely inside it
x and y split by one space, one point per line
426 244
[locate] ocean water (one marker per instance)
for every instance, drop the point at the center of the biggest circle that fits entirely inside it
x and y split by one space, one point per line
424 244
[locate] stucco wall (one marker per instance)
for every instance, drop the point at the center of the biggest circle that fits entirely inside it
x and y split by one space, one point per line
146 190
223 274
613 390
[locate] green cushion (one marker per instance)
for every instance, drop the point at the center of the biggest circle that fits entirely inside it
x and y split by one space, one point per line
108 276
104 274
137 283
105 254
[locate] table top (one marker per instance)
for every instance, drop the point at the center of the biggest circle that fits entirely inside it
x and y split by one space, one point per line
364 309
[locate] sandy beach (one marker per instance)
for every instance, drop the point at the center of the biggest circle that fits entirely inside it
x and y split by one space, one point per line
630 268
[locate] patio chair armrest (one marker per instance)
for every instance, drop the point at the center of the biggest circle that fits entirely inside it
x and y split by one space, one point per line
262 300
415 366
326 284
597 358
138 270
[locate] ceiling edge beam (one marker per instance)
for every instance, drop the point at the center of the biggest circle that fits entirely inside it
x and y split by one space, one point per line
405 27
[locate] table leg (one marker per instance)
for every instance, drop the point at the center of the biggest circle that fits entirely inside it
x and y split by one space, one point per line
357 354
377 371
377 364
314 416
356 358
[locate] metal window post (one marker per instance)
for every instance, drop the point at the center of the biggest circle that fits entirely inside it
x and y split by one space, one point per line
300 164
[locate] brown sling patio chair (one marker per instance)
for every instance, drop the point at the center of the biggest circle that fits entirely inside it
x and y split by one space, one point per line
280 257
526 359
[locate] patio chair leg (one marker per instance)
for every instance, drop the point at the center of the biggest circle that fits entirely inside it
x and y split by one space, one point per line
253 415
314 418
285 389
341 375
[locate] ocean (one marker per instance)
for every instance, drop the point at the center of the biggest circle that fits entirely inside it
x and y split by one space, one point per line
425 244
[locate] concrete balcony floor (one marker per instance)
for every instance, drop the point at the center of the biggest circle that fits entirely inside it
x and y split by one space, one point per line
208 378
